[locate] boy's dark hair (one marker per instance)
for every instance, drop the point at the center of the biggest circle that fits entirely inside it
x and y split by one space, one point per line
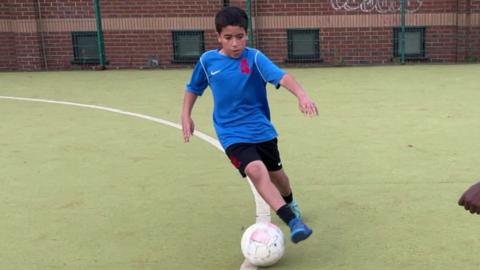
231 16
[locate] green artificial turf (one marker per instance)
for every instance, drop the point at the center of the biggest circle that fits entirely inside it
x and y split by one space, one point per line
377 174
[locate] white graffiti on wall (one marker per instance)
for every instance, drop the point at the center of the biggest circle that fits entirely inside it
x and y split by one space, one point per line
380 6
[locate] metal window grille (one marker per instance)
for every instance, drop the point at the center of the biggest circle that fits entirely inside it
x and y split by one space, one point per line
188 46
414 42
303 44
85 48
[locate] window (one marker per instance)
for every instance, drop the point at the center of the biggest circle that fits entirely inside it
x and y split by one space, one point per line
303 44
414 42
85 48
187 46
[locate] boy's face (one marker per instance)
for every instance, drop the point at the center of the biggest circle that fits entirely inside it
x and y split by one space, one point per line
233 40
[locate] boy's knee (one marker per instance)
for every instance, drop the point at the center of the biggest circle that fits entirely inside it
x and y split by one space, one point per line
255 168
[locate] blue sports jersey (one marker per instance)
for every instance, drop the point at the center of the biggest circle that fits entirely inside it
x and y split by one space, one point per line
241 113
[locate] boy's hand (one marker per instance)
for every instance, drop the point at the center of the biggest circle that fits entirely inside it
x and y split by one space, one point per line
188 128
470 199
307 106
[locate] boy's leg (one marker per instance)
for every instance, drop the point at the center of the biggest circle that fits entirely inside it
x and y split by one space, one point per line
280 179
270 155
258 173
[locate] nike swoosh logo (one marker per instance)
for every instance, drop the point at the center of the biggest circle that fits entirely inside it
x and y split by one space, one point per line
215 72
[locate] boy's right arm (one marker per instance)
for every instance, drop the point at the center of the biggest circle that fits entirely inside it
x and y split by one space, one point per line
188 126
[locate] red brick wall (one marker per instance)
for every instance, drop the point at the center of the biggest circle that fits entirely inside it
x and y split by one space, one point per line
5 9
290 7
57 9
474 5
352 46
60 9
7 52
357 46
132 48
313 7
23 9
60 53
155 8
27 50
143 45
125 49
273 43
473 33
441 44
473 45
23 49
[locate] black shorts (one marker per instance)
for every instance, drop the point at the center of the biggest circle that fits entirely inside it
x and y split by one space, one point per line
241 154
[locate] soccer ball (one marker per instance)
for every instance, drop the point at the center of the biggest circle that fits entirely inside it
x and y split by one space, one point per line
263 244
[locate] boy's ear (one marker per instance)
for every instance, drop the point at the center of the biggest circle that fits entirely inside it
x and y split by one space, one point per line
218 37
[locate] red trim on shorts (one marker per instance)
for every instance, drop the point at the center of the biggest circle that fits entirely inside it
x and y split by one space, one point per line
236 163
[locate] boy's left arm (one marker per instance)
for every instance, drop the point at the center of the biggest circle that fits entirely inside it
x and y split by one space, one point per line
305 104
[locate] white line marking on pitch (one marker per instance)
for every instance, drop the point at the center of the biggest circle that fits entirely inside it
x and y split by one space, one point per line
262 208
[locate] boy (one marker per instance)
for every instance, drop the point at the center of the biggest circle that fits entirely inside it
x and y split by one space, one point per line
237 76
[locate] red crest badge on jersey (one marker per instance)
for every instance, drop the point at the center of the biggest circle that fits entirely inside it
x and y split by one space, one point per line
244 68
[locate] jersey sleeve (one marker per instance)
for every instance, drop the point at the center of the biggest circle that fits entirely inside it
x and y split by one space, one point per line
268 70
199 81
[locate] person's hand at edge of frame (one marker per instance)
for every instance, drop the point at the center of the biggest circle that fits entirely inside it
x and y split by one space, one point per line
470 199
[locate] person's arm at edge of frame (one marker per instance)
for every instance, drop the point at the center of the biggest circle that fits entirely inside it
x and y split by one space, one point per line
188 127
305 104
